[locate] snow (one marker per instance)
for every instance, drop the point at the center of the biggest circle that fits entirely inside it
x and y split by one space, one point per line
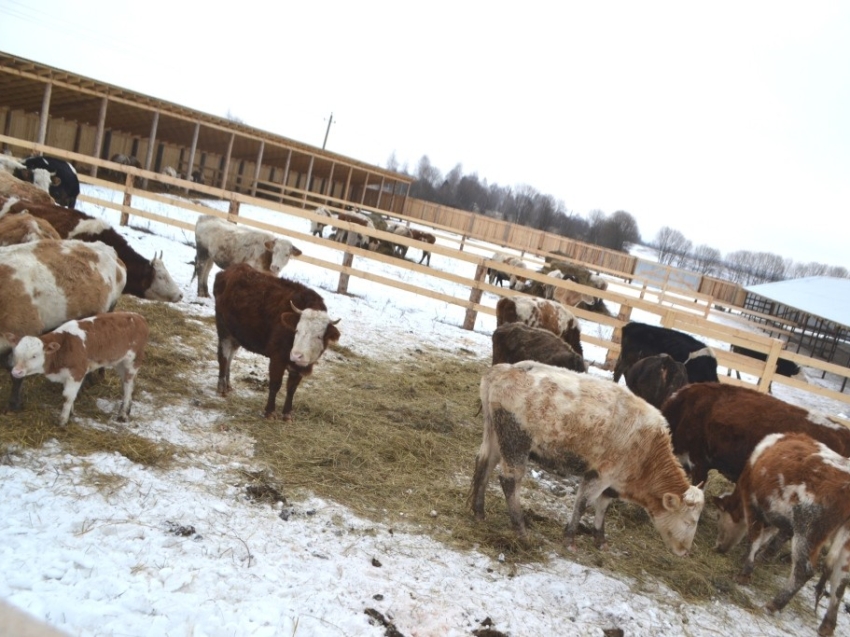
110 562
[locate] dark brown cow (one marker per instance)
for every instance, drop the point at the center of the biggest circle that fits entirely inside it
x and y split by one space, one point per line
640 340
534 312
284 321
515 342
655 378
147 279
717 426
793 486
116 340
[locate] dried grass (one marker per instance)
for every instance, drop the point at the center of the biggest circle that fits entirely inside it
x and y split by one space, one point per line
395 441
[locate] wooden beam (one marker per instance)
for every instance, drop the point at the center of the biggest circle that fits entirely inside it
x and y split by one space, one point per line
151 145
257 169
226 167
98 137
44 116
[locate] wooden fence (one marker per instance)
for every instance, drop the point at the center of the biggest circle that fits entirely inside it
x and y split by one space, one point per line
678 309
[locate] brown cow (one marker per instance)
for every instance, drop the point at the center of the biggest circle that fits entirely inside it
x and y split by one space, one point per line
534 408
717 426
24 228
46 283
145 279
793 485
655 378
284 321
426 237
515 342
116 340
535 312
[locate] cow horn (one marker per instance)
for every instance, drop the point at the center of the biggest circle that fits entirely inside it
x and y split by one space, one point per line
336 321
297 311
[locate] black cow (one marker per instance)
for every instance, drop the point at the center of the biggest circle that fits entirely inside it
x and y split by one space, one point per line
640 340
64 184
784 367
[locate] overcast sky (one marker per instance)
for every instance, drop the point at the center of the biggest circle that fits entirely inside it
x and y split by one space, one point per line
729 121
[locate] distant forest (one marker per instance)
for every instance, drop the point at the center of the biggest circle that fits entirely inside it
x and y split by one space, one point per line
525 205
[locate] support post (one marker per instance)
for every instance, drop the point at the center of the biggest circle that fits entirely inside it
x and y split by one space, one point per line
475 296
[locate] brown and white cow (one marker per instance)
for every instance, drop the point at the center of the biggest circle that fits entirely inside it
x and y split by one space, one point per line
534 408
358 218
425 237
23 228
46 283
515 342
793 485
11 186
115 340
536 312
317 228
495 275
225 244
717 426
147 279
656 378
283 320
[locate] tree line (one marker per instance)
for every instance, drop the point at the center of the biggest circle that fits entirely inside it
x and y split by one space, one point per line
524 205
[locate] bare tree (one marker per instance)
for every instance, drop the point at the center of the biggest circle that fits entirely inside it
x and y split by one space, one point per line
705 259
670 244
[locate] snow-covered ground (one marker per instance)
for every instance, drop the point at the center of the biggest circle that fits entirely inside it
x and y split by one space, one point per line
97 562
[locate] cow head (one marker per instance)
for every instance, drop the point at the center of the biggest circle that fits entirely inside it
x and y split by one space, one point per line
28 357
162 287
732 524
677 521
313 331
280 250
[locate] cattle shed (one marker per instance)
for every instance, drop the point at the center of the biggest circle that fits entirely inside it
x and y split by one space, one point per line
818 311
49 106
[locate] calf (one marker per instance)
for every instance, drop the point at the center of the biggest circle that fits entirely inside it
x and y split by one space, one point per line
784 367
640 340
224 243
64 183
280 319
717 426
515 342
793 486
655 378
145 279
46 283
116 340
425 237
530 407
534 312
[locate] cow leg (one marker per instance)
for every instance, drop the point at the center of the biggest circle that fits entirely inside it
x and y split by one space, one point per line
276 371
590 490
759 535
70 391
802 556
601 508
203 266
127 371
827 626
227 347
487 457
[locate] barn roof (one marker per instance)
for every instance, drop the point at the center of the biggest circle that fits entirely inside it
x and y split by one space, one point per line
822 296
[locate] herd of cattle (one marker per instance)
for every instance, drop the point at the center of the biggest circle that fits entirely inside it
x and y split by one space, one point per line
651 442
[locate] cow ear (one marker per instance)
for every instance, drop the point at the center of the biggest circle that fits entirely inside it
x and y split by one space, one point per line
671 501
13 340
269 245
296 252
289 320
52 347
55 180
331 333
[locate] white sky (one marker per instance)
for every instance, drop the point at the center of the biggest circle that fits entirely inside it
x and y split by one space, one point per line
727 121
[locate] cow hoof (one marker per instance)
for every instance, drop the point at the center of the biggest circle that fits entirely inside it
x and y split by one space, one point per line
742 579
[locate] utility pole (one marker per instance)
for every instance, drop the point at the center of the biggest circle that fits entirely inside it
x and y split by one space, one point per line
328 130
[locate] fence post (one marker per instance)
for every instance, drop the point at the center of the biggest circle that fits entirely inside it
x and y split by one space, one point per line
475 296
770 366
347 260
616 336
129 182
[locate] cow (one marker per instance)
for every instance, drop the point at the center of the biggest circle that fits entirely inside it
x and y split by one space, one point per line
147 279
399 249
9 164
640 340
624 442
317 228
46 283
360 219
223 243
24 228
115 340
497 276
425 237
784 367
64 183
535 312
13 188
656 378
515 342
283 320
793 486
549 290
717 426
123 160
